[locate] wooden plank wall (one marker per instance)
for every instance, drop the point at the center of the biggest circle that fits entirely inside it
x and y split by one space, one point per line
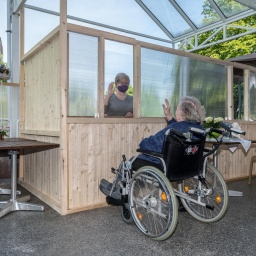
93 150
41 169
236 165
42 89
42 172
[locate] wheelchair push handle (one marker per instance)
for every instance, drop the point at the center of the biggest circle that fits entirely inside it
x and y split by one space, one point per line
228 127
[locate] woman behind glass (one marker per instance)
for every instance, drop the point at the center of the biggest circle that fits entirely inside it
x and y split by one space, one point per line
119 103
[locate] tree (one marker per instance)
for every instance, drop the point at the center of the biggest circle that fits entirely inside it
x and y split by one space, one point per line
234 48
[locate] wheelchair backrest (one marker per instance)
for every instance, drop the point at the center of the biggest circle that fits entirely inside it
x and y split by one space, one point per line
183 155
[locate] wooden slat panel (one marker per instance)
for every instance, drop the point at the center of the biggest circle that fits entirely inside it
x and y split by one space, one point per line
93 150
42 89
236 165
42 169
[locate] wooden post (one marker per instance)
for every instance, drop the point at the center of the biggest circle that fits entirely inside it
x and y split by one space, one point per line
63 95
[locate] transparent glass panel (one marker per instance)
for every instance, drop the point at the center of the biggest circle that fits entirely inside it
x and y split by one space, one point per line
164 11
3 102
111 13
165 75
83 75
159 81
208 82
200 13
52 5
3 28
231 7
34 28
252 96
118 58
238 93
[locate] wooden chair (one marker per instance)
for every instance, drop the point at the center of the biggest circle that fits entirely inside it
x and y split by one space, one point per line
253 160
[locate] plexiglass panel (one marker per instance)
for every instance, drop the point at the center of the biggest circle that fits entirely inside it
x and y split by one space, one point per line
83 75
34 26
208 82
231 7
238 93
200 12
253 96
118 58
159 81
52 5
165 75
111 13
164 11
3 102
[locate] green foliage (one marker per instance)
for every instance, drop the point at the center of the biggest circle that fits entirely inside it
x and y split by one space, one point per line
130 90
230 49
233 48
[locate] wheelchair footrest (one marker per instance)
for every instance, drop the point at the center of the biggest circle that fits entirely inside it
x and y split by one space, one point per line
113 201
105 188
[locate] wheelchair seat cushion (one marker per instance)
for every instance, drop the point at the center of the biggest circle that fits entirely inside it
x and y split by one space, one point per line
139 162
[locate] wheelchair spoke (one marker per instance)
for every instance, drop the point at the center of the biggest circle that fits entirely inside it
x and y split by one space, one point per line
207 198
152 204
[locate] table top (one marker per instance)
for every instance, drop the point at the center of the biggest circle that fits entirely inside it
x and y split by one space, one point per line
21 143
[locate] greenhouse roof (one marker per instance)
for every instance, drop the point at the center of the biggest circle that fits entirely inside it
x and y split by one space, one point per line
175 22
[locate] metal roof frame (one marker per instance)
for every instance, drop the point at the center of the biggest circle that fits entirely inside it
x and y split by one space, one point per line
182 42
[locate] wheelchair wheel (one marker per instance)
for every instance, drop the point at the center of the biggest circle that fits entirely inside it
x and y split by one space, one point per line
211 191
153 203
126 214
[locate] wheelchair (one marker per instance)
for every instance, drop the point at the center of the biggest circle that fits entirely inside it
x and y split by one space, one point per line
144 188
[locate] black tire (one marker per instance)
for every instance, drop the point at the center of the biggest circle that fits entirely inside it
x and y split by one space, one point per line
153 203
213 193
126 214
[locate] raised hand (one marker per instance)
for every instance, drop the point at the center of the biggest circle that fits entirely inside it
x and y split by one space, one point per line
167 110
111 88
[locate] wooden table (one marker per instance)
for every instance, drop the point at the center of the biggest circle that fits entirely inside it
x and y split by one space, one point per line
13 145
226 144
7 191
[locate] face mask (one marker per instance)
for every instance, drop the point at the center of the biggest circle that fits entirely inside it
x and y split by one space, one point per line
122 88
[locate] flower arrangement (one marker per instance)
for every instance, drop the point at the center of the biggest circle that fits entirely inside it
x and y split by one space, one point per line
4 131
4 72
211 122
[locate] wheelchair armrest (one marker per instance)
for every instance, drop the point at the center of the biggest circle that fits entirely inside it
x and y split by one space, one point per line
207 150
148 152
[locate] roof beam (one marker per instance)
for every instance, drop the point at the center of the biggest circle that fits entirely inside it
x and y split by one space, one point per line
184 16
224 39
217 10
216 25
97 24
152 16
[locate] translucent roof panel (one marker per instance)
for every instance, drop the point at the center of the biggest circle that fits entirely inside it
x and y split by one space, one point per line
165 12
164 22
200 12
231 7
52 5
125 14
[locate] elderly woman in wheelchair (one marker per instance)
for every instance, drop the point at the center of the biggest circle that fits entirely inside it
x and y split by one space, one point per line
177 153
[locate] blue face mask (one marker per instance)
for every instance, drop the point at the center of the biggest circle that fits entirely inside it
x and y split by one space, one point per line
122 88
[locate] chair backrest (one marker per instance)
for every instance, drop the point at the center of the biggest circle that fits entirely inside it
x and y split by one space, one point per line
183 157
